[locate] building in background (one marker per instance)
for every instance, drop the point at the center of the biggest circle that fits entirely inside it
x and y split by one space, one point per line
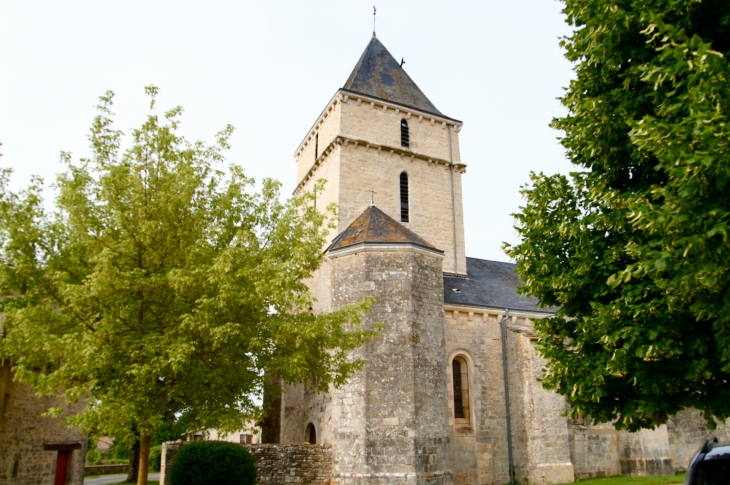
34 449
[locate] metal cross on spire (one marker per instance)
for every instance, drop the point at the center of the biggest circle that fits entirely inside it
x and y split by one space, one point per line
372 197
375 11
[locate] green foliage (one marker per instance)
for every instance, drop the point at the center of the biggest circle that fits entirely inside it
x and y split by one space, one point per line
634 245
156 458
161 284
220 462
167 431
117 453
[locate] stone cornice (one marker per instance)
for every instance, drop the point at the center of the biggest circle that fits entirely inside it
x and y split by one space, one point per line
385 248
344 141
345 96
484 313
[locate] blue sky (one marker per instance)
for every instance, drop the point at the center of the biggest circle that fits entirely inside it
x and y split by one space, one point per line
268 68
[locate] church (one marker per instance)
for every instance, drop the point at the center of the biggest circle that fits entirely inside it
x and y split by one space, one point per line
449 392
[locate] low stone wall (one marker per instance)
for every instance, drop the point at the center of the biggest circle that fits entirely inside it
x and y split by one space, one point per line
91 470
301 464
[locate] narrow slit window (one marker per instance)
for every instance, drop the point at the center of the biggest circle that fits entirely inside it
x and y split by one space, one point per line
460 374
404 135
458 402
404 197
316 146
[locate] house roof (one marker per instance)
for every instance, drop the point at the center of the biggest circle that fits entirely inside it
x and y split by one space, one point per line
376 227
491 284
378 74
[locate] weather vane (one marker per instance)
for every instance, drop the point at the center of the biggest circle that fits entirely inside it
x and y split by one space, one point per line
372 197
375 11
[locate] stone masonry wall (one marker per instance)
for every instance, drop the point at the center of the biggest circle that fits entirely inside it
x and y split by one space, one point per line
594 449
541 443
389 423
300 464
352 171
687 430
23 433
539 432
602 451
296 464
429 196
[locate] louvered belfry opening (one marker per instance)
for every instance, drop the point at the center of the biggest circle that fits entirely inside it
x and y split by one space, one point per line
404 136
404 197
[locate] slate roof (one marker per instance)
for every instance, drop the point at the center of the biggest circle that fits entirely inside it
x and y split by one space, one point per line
378 74
491 284
376 227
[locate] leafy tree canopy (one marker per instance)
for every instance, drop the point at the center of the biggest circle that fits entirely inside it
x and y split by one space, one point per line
160 284
634 245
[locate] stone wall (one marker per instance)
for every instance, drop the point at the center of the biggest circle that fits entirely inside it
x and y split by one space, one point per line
92 470
687 431
300 464
388 423
167 458
602 451
297 464
645 453
539 432
350 184
594 449
429 195
24 434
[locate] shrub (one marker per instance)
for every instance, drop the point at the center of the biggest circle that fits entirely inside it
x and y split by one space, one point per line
213 462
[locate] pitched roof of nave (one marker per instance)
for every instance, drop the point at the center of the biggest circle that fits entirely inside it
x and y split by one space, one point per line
376 227
491 284
378 74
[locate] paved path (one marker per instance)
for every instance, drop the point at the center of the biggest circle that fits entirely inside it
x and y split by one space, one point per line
108 479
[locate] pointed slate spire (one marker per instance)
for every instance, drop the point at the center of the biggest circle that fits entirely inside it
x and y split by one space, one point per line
376 227
378 74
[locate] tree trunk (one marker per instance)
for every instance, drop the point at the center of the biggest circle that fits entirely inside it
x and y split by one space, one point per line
133 462
144 459
271 425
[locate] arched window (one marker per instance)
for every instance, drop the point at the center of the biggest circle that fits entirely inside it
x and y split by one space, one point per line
404 197
460 378
311 434
404 137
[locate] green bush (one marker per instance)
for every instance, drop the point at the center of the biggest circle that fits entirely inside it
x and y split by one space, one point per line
156 458
213 462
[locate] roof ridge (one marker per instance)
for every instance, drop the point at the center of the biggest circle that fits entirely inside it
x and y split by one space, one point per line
370 220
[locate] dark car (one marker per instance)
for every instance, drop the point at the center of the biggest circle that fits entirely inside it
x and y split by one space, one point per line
710 465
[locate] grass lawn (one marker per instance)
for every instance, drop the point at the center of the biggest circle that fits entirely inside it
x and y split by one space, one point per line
663 480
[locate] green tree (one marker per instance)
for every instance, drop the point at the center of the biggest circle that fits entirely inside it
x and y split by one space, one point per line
634 245
161 285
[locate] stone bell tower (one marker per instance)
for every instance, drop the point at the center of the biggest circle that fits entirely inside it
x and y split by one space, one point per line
392 165
381 134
